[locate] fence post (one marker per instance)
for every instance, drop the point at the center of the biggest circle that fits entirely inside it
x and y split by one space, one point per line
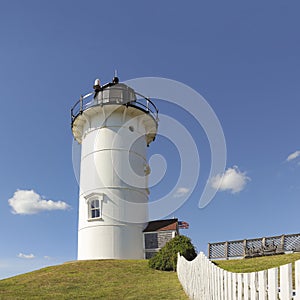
297 279
226 297
219 283
226 250
207 278
212 279
282 242
234 275
246 286
253 286
240 286
286 282
262 285
222 287
245 247
229 285
273 284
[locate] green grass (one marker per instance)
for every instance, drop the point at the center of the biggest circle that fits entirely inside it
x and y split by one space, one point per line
257 263
100 279
116 279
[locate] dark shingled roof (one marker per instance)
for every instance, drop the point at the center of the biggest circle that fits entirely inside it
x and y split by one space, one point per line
161 225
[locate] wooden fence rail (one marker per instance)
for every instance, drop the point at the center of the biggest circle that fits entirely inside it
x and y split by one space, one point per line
255 247
203 280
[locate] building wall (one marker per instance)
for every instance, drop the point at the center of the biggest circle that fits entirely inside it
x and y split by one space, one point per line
154 241
109 150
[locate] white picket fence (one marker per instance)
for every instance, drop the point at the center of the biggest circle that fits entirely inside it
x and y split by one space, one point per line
203 280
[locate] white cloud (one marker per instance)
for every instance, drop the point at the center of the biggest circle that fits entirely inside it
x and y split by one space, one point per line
180 192
293 155
26 256
28 202
232 180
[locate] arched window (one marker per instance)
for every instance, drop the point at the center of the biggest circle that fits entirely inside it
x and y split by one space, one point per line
95 209
94 205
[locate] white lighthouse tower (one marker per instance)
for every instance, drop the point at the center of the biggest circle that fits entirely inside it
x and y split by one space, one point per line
114 126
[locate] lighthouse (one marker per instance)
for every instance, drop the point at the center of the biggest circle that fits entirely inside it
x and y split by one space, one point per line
114 125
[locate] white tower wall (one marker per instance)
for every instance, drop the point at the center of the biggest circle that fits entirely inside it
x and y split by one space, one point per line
113 171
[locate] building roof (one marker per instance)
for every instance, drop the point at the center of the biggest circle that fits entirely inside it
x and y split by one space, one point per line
162 225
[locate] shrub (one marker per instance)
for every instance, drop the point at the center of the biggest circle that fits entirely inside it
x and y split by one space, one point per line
166 258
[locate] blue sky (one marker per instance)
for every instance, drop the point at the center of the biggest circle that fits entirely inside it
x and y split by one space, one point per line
242 57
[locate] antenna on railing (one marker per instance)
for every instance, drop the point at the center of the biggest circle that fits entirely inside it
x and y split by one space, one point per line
81 104
116 78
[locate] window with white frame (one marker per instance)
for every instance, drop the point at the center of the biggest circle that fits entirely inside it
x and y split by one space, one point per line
95 209
94 204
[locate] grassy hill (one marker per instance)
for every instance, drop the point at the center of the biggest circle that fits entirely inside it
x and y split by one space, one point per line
100 279
257 263
115 279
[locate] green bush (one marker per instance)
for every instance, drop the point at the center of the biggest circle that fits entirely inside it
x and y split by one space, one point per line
166 258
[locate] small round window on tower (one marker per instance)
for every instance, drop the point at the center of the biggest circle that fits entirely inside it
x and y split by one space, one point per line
131 128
